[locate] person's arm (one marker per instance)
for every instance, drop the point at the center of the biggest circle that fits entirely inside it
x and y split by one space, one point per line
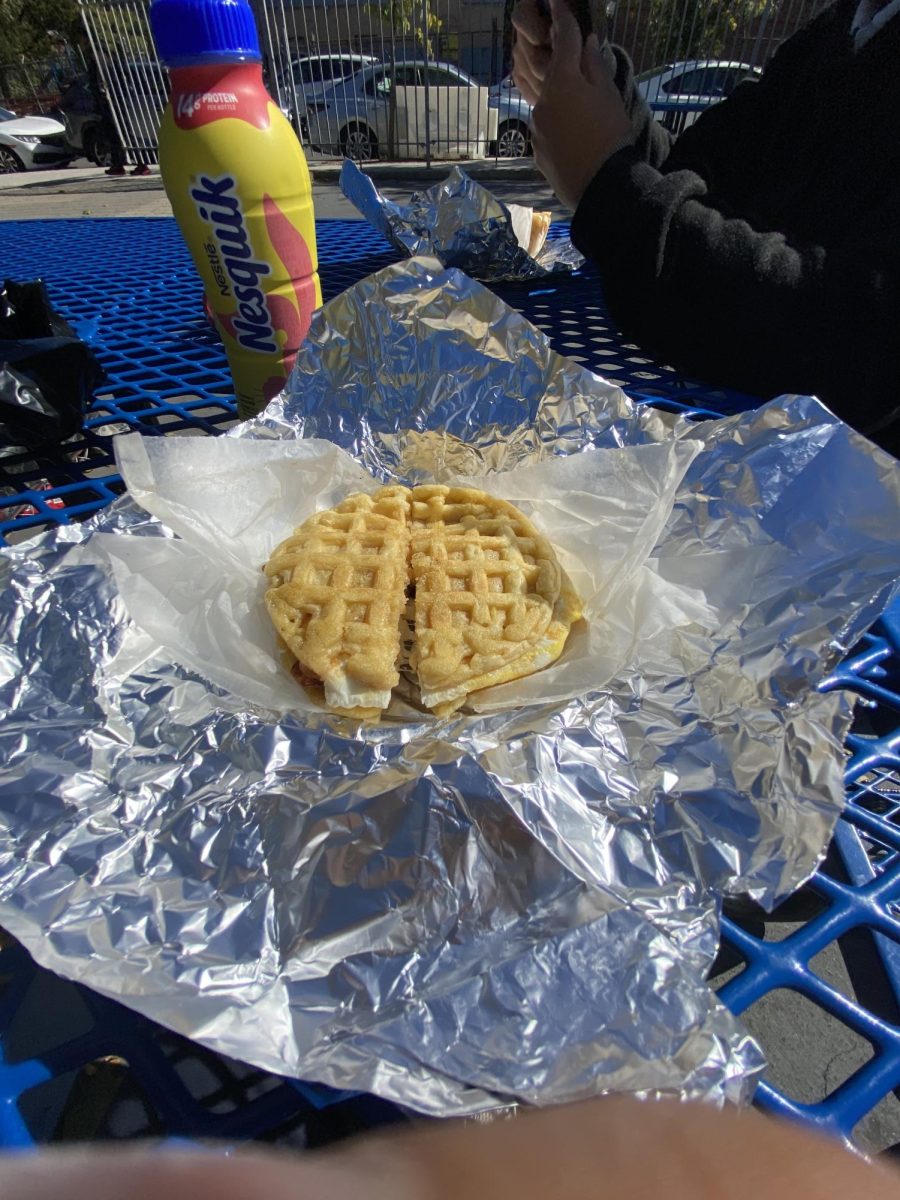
614 1148
749 308
733 302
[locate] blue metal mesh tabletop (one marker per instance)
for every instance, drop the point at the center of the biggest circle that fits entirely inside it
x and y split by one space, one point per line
131 290
819 976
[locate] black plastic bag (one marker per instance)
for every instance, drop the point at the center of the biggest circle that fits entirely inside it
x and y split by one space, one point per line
47 373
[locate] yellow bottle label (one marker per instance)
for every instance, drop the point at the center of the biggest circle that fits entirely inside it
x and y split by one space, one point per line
240 190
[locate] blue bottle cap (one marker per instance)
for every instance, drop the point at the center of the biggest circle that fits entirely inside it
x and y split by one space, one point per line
194 32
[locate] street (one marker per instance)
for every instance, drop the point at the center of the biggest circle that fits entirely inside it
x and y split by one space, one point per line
82 190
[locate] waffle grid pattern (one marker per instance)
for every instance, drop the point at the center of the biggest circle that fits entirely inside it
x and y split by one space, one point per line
479 574
338 586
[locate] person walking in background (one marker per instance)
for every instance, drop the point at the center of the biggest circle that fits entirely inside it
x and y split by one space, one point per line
761 250
103 109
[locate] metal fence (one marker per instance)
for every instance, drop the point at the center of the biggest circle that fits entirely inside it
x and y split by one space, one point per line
34 85
428 79
134 82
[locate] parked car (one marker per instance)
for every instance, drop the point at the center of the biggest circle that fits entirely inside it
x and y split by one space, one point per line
513 120
305 79
681 90
313 75
353 117
27 143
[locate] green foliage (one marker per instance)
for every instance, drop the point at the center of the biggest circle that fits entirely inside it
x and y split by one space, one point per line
35 28
407 18
698 28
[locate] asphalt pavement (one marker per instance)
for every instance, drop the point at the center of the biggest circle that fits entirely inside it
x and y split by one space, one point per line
82 190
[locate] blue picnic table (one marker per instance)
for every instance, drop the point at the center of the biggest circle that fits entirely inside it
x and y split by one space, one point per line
74 1064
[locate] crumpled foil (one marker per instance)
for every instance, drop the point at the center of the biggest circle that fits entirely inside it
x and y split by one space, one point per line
515 906
461 224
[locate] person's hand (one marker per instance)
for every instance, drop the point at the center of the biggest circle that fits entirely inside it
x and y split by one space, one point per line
580 118
531 53
627 1149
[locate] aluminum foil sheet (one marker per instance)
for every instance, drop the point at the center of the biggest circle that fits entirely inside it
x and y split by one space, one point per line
461 224
503 906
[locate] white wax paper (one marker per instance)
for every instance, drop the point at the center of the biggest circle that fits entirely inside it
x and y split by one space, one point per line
200 595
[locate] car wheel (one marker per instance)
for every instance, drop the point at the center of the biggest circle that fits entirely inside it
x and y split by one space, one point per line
10 161
359 143
98 146
513 140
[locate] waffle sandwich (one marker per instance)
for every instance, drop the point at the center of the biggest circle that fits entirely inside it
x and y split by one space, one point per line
481 589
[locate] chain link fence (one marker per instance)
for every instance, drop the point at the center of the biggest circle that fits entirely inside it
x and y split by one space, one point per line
429 79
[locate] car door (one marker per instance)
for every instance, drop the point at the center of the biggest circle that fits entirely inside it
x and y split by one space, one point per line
348 101
312 78
453 110
396 126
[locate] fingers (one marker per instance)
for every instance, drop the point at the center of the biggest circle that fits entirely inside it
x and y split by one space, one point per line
622 1148
530 23
592 66
565 37
531 53
91 1173
530 65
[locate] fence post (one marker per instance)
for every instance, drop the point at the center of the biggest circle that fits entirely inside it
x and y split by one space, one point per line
426 42
29 83
760 29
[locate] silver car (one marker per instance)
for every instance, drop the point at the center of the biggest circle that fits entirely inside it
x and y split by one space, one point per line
358 118
513 120
680 91
312 75
28 143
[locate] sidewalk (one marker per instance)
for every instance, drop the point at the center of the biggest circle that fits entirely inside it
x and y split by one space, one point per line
83 190
80 191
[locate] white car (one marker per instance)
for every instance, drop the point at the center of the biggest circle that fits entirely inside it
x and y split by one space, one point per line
680 91
31 142
357 119
513 119
309 77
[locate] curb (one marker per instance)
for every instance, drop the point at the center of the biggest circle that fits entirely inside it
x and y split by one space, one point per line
483 170
397 174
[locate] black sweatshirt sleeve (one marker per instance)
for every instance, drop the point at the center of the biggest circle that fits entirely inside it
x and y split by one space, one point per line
745 307
651 140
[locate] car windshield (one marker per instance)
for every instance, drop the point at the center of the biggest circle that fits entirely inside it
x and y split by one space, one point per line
6 115
326 70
